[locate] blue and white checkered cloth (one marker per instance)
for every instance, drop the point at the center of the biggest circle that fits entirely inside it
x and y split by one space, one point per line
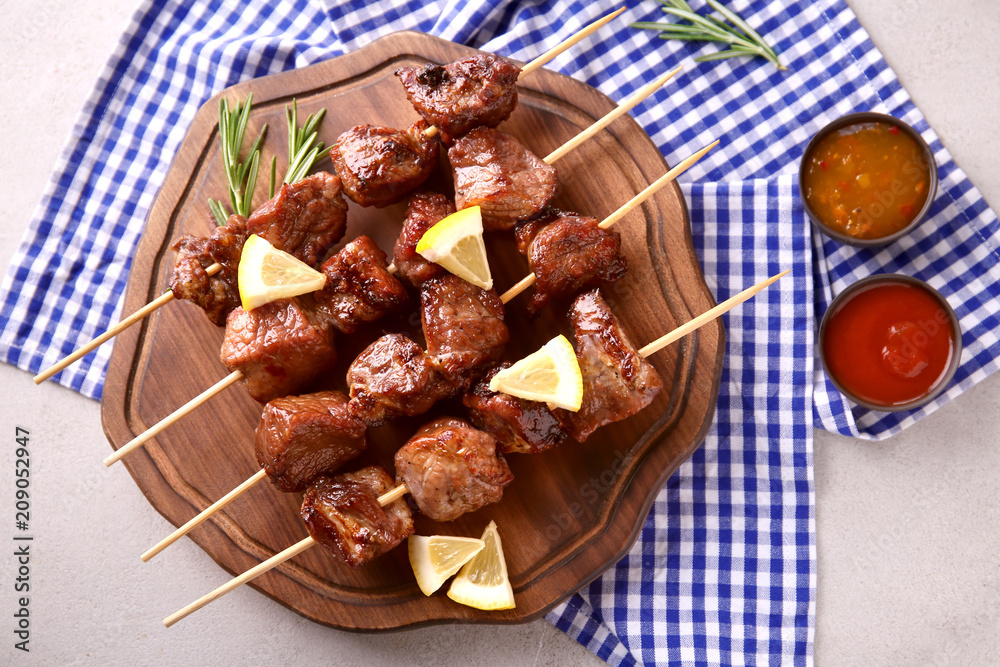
724 571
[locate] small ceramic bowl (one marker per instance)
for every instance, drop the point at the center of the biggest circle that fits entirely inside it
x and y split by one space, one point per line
857 118
949 321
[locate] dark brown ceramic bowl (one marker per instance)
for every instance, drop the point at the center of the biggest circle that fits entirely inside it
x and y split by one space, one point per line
952 319
868 117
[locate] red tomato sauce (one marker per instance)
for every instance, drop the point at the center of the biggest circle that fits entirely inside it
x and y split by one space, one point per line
866 180
889 344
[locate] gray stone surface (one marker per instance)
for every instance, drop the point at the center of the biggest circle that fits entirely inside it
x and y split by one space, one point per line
908 529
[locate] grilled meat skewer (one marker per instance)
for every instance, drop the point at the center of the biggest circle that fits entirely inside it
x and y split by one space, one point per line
473 91
380 166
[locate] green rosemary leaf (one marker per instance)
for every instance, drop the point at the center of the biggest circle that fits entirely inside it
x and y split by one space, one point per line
684 37
733 18
240 176
303 149
698 20
729 53
274 168
313 121
728 28
251 182
292 120
259 141
219 211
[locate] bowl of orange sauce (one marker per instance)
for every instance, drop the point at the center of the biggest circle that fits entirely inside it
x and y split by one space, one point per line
890 342
866 179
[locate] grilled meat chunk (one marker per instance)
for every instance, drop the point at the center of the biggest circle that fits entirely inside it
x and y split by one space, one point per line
519 425
423 212
463 326
451 468
300 438
342 513
217 295
279 347
380 166
305 219
359 288
495 171
568 253
617 382
393 377
478 90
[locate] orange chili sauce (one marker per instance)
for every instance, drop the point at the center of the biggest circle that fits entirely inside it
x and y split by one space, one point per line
866 180
888 344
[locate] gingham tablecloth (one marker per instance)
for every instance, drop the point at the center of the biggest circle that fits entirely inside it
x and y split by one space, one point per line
724 571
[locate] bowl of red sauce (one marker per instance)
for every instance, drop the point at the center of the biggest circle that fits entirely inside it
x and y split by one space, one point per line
866 179
890 342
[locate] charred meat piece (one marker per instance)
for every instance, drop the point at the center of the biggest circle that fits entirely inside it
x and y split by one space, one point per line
300 438
279 347
305 219
342 513
451 468
359 288
463 326
617 382
567 254
393 377
495 171
519 425
478 90
379 165
217 295
423 212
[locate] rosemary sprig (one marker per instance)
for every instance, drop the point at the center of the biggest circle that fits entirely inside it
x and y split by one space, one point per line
729 29
303 150
241 176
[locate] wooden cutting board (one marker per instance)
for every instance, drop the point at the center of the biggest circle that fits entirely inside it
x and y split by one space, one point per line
572 511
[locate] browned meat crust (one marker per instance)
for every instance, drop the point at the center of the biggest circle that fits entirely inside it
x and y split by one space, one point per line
380 166
342 513
450 468
423 212
217 295
393 377
305 218
494 171
463 326
478 90
300 438
519 425
359 289
279 347
617 382
568 253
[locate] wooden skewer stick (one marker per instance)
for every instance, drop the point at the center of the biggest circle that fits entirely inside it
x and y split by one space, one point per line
207 512
398 492
651 189
708 316
541 60
174 416
538 62
273 561
122 325
618 111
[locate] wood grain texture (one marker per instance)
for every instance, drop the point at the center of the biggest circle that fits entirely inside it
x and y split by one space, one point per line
572 511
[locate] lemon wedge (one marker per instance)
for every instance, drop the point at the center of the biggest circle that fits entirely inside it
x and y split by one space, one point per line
266 273
483 582
437 557
456 243
551 375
